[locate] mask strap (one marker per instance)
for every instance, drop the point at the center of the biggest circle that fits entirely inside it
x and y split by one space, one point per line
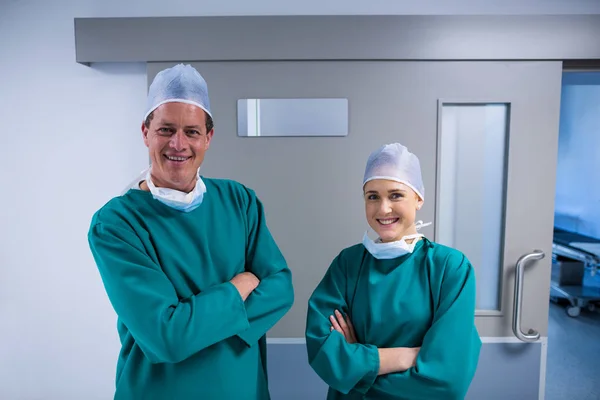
419 224
136 182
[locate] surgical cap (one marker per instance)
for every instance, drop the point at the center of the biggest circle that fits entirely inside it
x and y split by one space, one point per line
182 84
394 162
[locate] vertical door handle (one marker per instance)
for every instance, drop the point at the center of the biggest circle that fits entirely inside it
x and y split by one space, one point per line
532 335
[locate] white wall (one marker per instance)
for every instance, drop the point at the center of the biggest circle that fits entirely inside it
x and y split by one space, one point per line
71 140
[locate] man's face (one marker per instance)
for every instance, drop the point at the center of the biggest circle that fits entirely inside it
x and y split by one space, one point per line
177 141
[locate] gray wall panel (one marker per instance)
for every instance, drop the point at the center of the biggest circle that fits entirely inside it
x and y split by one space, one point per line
523 37
311 187
505 371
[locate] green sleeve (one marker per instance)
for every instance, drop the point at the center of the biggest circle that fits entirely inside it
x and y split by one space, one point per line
343 366
274 295
449 353
167 328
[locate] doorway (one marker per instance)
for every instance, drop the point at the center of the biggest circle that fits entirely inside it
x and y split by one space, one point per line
574 323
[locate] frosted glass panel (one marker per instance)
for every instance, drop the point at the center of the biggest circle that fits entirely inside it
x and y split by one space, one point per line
292 117
472 176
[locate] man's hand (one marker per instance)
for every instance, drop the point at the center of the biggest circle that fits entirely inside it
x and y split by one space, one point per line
245 283
343 326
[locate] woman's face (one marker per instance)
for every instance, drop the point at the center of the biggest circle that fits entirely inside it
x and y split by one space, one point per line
391 208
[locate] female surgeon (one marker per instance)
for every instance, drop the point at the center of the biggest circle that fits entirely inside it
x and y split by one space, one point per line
393 318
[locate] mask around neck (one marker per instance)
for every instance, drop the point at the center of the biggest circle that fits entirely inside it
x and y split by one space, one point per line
181 201
390 250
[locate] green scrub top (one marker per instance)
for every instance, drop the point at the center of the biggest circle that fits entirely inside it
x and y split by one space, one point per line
185 331
423 299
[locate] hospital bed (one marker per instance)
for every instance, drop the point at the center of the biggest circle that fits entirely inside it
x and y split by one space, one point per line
575 265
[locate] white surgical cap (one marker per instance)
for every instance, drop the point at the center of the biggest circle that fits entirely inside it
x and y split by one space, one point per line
394 162
182 84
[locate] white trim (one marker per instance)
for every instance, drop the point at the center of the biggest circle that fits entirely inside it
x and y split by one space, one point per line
510 339
258 117
252 127
488 313
544 359
286 341
486 339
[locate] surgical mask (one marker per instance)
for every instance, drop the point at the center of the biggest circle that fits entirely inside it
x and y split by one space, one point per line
181 201
398 248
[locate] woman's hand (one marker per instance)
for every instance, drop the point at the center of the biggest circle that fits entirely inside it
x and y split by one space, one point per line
396 359
343 326
408 357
